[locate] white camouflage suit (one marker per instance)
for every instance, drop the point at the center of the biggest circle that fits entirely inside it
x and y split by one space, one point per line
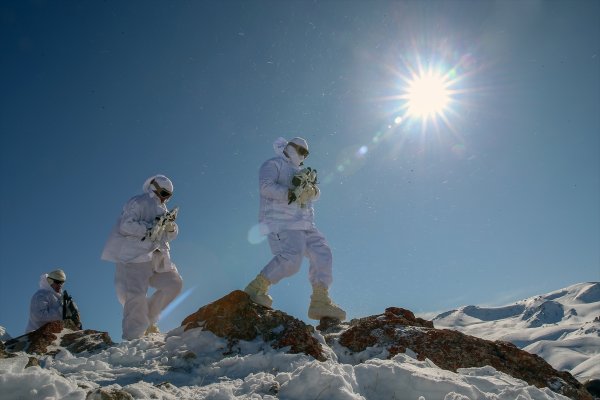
141 264
291 230
45 306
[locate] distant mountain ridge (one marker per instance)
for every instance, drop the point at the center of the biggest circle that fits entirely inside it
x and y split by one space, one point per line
562 326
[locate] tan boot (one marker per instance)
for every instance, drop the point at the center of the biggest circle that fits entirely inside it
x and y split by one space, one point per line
257 290
321 305
152 329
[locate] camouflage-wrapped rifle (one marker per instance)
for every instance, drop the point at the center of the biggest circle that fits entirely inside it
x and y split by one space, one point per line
70 310
159 227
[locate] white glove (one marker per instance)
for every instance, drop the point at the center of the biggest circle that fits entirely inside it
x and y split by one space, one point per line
170 226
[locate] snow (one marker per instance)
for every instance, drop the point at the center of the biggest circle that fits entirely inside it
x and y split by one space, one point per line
18 382
4 336
191 365
563 327
199 365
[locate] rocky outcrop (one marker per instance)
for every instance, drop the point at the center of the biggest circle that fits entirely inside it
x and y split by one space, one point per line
76 341
108 394
235 317
3 353
397 330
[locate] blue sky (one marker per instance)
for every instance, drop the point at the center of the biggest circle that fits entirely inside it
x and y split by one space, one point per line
496 201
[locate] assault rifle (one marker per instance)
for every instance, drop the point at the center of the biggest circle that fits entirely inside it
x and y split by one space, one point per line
70 310
159 227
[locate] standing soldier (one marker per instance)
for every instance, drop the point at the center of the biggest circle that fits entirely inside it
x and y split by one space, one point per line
139 245
287 216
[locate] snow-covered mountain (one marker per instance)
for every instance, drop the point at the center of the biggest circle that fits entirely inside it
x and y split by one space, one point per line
562 327
367 359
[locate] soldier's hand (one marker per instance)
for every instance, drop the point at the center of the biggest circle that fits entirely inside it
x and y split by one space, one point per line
170 226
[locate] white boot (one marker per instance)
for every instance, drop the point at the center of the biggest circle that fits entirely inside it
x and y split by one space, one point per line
257 290
321 305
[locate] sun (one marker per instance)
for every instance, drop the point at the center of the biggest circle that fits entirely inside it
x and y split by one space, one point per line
427 95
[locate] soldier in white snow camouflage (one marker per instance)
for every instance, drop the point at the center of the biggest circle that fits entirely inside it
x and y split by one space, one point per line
142 257
47 303
287 217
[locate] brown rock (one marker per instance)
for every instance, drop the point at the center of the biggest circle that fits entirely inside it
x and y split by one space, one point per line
235 317
37 342
109 394
86 340
33 362
397 330
3 353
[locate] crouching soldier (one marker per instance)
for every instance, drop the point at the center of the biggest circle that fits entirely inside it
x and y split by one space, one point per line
51 303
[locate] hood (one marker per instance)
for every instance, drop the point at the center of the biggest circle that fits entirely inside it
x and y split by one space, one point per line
292 156
45 285
279 145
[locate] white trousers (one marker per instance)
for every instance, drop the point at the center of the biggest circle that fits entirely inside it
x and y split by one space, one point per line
290 246
139 311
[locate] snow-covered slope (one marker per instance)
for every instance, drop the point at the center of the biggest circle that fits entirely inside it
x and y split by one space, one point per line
563 327
191 365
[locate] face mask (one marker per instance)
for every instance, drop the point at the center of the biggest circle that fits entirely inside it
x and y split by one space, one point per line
293 155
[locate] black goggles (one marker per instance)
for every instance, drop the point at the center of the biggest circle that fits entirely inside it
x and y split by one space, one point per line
58 282
162 192
301 150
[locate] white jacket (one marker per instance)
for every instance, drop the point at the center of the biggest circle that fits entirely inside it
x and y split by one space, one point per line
275 214
125 244
45 306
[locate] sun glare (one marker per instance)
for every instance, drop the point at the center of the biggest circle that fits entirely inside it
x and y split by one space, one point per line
427 95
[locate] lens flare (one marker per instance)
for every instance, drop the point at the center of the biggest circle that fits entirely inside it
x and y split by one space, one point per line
427 95
178 300
256 234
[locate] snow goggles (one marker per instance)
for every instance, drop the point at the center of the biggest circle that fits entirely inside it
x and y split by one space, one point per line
301 150
58 282
162 192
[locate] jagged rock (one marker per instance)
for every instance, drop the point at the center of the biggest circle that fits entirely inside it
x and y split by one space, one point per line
33 362
37 342
235 317
329 325
361 334
86 340
398 330
3 353
109 394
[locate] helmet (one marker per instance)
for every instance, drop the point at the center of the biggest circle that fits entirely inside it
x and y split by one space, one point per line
57 275
300 142
161 180
300 145
164 182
